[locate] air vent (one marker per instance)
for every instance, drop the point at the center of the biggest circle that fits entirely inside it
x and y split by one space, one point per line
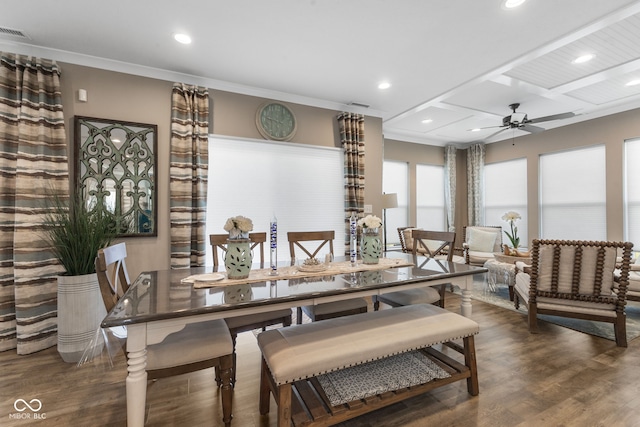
357 104
4 31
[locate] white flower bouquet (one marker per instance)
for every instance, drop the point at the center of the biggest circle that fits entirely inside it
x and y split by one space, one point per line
370 224
511 217
238 227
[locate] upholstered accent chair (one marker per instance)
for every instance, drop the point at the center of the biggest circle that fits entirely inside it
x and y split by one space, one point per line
406 241
576 279
480 243
307 244
248 322
198 346
633 288
433 244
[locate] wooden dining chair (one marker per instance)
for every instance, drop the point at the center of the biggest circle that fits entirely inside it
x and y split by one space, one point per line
198 346
310 243
248 322
432 244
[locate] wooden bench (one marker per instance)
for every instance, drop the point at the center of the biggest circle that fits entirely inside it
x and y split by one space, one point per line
294 358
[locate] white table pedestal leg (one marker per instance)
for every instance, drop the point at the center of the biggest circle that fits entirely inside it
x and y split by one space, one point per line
465 303
137 378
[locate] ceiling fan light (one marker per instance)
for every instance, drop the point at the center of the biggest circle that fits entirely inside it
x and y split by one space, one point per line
182 38
584 58
510 4
518 117
384 85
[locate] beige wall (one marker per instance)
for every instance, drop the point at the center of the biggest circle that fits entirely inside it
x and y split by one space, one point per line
119 96
611 131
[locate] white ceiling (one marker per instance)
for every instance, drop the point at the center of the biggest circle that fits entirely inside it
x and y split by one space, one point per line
459 63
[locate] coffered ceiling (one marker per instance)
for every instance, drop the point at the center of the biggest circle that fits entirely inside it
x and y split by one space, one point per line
455 64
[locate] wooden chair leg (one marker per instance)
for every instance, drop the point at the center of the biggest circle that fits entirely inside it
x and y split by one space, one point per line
620 328
376 303
442 290
470 360
533 318
264 388
299 315
284 405
226 366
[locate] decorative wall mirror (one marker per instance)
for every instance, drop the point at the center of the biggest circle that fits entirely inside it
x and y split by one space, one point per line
115 172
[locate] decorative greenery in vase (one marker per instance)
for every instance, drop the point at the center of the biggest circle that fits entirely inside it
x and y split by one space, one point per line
511 217
76 233
238 227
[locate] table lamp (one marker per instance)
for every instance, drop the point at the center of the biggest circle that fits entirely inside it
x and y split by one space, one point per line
389 200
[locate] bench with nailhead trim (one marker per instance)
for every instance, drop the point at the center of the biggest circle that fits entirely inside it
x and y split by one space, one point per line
294 358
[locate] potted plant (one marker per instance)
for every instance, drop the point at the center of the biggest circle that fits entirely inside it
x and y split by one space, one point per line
75 233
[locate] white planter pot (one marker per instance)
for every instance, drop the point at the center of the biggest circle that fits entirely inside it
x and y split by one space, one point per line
80 311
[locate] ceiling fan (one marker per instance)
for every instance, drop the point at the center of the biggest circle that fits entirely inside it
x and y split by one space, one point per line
520 121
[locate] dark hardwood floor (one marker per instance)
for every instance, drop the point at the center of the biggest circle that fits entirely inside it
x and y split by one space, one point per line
558 377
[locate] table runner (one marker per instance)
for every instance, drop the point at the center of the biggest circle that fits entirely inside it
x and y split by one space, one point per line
292 272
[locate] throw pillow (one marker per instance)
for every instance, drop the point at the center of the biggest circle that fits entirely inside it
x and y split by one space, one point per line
480 240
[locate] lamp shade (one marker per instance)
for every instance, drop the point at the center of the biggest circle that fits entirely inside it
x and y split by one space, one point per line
389 200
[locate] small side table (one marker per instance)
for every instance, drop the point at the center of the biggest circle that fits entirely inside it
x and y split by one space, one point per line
501 272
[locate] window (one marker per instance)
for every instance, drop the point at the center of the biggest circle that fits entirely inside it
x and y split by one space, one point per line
395 179
505 189
303 185
431 214
573 195
632 193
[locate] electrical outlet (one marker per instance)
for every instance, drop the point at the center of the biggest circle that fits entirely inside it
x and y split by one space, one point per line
368 208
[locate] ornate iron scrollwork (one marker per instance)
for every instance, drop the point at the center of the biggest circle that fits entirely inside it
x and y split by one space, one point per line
115 171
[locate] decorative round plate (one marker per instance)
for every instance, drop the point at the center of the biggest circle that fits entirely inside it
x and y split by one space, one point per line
207 277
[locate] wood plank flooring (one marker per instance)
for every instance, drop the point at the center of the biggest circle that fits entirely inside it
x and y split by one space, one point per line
558 377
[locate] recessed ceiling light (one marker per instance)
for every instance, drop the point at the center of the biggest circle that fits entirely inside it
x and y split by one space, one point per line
182 38
475 130
427 121
584 58
384 85
633 82
510 4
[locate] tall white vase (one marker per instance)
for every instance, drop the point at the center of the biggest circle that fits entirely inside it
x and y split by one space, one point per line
80 311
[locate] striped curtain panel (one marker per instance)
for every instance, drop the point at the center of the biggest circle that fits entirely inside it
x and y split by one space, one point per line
475 185
33 165
188 174
352 139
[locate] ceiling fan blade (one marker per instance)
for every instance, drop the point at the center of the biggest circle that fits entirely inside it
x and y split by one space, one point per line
531 129
491 127
495 133
552 117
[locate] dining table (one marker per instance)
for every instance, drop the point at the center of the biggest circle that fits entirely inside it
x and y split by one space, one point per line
162 302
